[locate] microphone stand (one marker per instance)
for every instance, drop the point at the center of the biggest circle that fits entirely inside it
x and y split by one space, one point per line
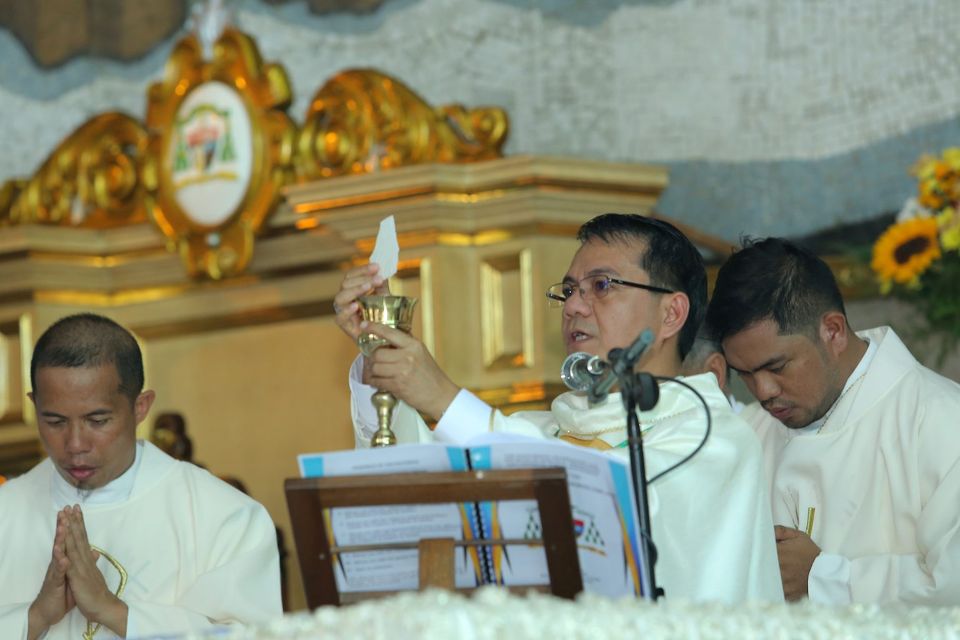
636 392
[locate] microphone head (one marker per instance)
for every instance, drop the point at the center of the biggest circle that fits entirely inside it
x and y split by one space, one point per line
649 392
596 366
573 372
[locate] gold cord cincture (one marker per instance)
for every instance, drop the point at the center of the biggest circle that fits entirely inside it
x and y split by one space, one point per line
93 628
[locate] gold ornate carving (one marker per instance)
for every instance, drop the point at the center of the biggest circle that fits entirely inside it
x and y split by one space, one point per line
223 247
90 180
116 170
362 120
9 193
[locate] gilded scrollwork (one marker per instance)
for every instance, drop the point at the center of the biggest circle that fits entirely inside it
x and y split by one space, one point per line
90 180
363 120
9 192
236 137
207 164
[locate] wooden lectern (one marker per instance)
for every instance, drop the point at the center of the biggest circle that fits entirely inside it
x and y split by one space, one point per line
307 498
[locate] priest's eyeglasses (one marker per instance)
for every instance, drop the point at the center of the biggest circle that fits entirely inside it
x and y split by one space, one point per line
593 288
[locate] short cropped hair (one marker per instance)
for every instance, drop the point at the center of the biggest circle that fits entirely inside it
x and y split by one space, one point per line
90 340
670 258
703 347
774 279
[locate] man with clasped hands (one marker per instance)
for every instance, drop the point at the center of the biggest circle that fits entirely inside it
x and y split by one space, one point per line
710 516
109 536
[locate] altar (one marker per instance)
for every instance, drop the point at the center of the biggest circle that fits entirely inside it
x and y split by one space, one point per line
493 613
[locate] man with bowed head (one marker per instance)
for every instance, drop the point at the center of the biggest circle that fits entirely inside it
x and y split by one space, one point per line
109 534
862 442
710 516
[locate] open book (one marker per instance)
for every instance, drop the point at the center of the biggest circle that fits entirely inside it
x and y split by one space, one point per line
601 497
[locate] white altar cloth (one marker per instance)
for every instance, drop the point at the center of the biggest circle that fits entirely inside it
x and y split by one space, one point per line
492 613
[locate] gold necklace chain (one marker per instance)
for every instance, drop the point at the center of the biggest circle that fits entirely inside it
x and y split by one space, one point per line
93 628
646 425
836 404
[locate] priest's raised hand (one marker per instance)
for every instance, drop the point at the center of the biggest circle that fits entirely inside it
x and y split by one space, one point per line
358 281
407 370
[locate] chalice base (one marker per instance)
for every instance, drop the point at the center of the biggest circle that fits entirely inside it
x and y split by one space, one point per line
383 438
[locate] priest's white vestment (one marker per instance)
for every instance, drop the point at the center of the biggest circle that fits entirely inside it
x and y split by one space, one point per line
880 483
710 516
197 551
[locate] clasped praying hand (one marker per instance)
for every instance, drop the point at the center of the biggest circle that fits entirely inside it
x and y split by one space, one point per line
73 580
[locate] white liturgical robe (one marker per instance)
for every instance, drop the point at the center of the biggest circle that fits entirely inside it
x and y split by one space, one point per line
710 516
880 483
197 551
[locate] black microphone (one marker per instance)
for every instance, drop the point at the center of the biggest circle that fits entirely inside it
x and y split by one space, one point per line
580 370
623 361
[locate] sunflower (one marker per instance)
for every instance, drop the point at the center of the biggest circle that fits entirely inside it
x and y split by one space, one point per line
905 250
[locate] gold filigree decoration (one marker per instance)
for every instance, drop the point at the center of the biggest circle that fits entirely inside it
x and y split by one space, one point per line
225 248
115 170
362 120
90 180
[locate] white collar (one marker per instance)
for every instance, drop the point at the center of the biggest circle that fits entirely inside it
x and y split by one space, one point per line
117 490
578 419
858 373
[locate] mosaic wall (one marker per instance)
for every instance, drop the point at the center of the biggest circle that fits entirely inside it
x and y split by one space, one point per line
773 116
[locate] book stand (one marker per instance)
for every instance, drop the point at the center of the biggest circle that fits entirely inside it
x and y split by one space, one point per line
308 498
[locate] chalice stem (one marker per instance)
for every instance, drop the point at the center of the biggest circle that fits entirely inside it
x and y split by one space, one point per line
383 402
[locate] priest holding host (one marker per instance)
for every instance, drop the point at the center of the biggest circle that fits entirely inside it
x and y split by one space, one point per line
861 442
109 536
710 515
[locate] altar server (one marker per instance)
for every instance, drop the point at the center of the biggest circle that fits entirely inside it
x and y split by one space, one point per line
109 536
862 441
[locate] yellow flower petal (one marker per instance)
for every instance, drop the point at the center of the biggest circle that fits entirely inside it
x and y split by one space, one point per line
948 222
924 167
950 239
951 156
905 250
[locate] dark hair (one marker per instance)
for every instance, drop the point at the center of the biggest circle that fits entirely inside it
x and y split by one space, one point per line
772 279
89 340
703 346
670 258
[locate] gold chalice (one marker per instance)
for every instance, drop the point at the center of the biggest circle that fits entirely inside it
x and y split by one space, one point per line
396 312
